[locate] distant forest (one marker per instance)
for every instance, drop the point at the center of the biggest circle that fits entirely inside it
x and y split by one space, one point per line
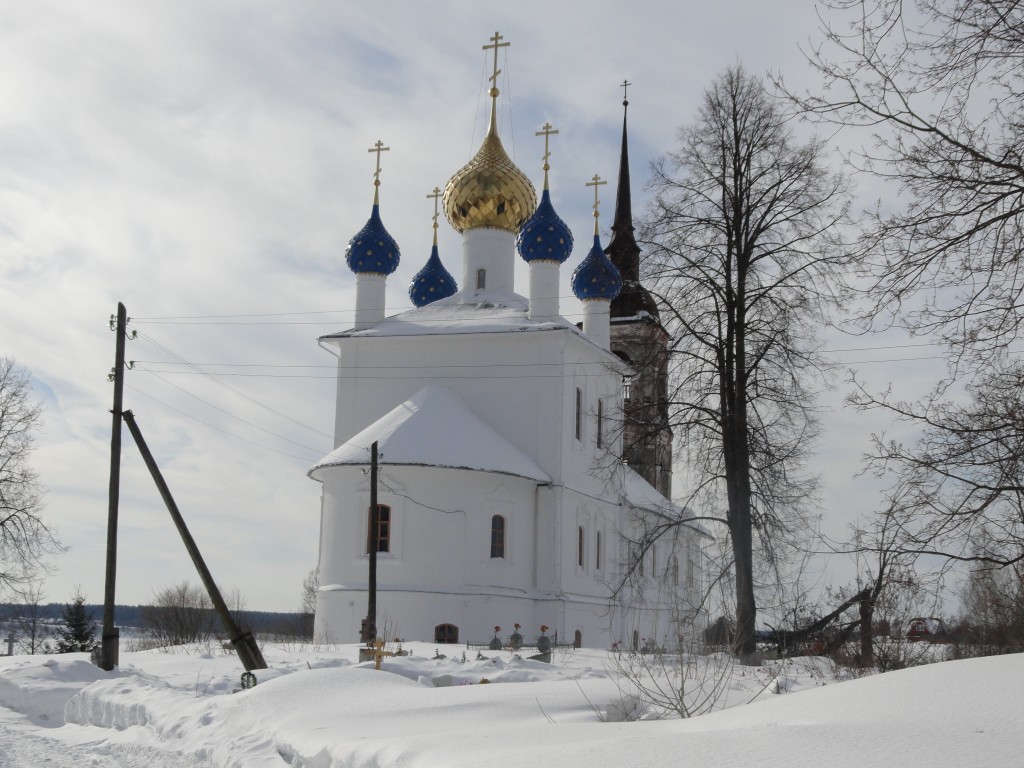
131 616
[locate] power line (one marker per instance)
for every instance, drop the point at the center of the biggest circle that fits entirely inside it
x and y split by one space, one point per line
252 400
214 427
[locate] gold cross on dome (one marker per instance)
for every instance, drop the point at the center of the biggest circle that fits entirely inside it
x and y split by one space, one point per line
547 132
436 195
378 148
595 183
495 45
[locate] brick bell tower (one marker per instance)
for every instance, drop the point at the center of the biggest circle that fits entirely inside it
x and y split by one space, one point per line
638 337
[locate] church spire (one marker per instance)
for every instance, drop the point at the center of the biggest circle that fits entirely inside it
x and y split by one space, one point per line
622 247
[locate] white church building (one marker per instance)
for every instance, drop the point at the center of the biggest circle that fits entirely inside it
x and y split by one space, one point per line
501 428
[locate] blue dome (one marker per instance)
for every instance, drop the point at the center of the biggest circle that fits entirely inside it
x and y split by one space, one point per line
431 283
544 235
372 249
596 277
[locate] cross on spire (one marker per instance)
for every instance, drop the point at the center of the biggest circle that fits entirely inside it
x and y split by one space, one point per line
378 148
547 132
625 85
595 183
436 194
495 45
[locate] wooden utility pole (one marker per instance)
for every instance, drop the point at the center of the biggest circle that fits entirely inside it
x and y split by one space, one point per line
369 633
110 641
244 643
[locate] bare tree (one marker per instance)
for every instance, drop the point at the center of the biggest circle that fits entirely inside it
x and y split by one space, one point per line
25 539
741 242
178 615
27 622
962 481
307 608
939 84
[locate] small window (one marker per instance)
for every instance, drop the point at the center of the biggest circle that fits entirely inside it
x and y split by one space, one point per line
600 423
382 536
481 279
446 633
498 536
579 413
580 545
577 640
597 552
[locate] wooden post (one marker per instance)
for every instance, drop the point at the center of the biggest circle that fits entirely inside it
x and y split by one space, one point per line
369 633
244 643
109 641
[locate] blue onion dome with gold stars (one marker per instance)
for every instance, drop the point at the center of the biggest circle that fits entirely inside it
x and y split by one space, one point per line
545 235
433 282
373 249
596 277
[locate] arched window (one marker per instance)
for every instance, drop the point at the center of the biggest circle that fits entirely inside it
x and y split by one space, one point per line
382 536
580 546
600 423
577 641
498 536
481 279
446 633
597 552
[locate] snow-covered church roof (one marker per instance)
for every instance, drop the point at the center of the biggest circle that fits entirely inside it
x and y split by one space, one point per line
434 428
483 311
640 494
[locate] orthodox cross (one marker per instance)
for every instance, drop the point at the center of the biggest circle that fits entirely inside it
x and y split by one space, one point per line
379 653
436 194
547 132
496 45
625 85
378 148
595 183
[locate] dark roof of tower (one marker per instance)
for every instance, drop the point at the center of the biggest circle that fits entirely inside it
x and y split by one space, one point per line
622 248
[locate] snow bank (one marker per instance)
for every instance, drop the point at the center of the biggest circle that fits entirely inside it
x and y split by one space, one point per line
317 709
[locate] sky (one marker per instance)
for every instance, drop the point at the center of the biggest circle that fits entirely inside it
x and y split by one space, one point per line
205 163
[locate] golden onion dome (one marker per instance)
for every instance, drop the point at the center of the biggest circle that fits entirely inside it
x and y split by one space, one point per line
489 191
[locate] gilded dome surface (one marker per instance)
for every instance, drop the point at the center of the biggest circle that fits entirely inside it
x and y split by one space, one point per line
489 191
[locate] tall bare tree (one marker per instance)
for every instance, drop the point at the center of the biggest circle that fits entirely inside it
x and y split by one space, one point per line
938 88
742 244
962 481
25 538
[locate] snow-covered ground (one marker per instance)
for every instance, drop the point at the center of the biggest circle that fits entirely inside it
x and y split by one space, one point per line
318 707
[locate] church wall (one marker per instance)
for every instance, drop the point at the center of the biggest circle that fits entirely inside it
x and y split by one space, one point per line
440 543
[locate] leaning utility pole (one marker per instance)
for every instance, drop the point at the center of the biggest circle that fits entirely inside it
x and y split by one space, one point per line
109 644
244 643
